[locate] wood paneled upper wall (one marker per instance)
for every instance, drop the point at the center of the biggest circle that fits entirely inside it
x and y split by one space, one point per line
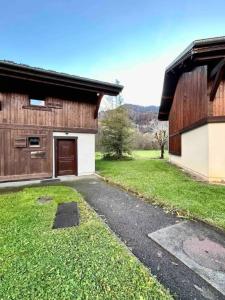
218 104
72 114
190 103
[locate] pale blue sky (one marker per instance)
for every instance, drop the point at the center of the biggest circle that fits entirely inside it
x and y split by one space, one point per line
129 40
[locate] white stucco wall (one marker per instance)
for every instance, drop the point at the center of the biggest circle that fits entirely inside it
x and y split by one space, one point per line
216 151
85 151
203 152
194 150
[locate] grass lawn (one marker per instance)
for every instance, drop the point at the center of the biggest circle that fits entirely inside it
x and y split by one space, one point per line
84 262
165 184
140 154
148 154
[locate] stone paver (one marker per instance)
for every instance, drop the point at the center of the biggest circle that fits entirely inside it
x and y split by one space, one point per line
198 247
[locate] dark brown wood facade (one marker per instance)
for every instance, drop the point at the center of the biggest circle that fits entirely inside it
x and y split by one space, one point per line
56 113
190 104
74 110
194 90
192 107
19 121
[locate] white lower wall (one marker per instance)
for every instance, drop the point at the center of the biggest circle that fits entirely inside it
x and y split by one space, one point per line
203 152
194 150
85 151
216 151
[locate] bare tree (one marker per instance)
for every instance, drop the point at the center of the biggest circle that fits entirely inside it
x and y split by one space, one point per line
161 136
118 99
112 102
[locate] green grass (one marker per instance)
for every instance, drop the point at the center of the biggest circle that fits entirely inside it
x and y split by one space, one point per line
148 154
163 183
84 262
140 154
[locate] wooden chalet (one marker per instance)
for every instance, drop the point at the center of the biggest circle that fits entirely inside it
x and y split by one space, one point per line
193 100
48 122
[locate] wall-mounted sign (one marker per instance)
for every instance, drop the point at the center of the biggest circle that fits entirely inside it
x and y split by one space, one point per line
38 154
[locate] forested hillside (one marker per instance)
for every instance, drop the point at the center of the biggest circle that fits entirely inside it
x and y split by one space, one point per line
145 120
144 117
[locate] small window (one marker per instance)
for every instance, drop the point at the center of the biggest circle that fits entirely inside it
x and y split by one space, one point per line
34 141
37 102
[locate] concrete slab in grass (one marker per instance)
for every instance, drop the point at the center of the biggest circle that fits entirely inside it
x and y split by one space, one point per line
199 247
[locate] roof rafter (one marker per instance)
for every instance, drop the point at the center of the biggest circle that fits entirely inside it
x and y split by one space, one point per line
100 96
217 68
218 71
199 53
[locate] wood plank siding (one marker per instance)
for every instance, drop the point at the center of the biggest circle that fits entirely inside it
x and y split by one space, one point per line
218 104
194 89
19 121
15 110
190 104
17 161
35 103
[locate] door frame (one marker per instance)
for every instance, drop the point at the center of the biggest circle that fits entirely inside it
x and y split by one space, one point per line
55 138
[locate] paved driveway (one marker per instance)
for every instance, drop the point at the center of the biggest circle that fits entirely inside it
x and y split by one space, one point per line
132 220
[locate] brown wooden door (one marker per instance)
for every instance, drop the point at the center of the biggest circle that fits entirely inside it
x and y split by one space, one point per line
66 157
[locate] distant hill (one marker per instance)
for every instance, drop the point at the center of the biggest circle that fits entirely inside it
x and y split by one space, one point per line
141 109
145 118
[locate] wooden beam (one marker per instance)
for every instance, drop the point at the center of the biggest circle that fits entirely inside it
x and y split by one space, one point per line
216 82
208 58
60 129
217 68
167 97
98 105
163 113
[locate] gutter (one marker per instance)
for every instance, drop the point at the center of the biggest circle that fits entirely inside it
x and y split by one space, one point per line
191 50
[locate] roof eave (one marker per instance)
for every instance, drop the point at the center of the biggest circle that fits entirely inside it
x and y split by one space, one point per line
198 48
13 71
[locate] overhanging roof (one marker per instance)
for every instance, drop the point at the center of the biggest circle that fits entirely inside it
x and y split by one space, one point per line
200 52
20 73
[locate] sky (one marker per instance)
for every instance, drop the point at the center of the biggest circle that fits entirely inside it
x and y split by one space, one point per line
132 41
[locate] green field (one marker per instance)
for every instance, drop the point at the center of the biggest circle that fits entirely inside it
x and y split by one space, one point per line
84 262
148 154
160 182
140 154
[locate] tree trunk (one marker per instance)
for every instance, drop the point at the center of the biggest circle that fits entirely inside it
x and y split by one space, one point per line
119 153
162 152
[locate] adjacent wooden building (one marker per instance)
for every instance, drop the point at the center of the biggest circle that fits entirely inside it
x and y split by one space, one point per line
48 122
193 100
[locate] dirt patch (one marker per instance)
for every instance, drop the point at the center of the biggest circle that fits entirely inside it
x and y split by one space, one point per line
44 199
